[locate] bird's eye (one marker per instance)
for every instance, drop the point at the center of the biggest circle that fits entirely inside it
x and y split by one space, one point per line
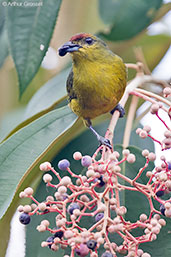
89 40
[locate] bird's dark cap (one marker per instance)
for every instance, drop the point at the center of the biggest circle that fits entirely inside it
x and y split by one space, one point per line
79 36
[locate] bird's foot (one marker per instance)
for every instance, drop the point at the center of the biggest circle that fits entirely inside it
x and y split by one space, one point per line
104 141
119 108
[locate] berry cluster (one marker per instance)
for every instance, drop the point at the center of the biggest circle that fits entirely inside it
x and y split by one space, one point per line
96 196
73 202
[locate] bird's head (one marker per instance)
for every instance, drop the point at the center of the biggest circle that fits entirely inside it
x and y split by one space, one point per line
82 45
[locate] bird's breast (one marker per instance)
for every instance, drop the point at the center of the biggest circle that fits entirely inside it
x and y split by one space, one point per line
98 86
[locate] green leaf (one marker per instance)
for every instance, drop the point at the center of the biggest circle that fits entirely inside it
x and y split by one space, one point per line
48 95
10 121
21 155
127 18
29 27
25 146
46 99
3 47
3 36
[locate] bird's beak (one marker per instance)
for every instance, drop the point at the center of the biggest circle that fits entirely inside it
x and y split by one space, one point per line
68 47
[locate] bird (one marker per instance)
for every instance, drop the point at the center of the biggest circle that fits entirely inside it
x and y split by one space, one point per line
97 80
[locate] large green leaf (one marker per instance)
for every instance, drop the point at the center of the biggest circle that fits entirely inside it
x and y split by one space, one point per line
25 146
29 27
10 121
48 95
47 98
3 47
3 35
21 155
127 18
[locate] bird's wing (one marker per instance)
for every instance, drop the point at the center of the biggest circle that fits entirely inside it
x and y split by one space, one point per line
69 86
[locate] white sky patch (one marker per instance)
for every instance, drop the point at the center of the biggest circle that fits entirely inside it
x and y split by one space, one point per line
161 27
166 1
51 59
163 69
16 246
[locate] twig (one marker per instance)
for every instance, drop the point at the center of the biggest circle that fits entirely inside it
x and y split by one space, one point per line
129 121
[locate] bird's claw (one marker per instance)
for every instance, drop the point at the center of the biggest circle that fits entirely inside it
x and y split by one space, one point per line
104 141
119 108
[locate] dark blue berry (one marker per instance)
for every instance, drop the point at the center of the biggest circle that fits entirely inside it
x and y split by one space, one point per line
50 240
160 193
72 207
99 216
25 218
162 209
101 183
91 244
107 254
59 234
63 164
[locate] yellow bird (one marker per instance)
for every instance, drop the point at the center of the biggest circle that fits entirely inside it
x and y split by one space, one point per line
97 80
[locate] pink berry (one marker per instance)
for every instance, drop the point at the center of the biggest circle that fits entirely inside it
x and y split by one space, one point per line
138 131
154 108
77 156
45 166
131 158
147 128
166 91
143 134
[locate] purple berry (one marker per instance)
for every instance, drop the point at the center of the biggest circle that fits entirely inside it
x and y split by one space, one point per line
86 161
72 207
24 218
169 165
162 209
63 164
50 240
99 216
82 251
91 244
107 254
